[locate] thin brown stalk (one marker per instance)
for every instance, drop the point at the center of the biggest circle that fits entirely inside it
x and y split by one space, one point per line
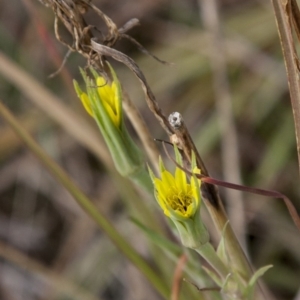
229 140
177 278
284 18
130 63
211 198
141 129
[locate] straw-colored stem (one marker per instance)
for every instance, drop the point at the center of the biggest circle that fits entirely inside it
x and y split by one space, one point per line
141 129
223 102
284 15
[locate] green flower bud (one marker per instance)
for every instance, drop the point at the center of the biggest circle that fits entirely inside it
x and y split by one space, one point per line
103 101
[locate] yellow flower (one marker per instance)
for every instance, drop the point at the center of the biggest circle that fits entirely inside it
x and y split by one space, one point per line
109 96
181 201
178 197
103 101
102 96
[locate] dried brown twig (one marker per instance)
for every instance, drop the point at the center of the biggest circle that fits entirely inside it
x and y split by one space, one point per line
96 49
130 63
288 16
70 13
178 277
210 195
230 156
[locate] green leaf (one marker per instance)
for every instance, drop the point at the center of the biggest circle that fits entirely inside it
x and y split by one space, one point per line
249 293
178 156
221 250
213 276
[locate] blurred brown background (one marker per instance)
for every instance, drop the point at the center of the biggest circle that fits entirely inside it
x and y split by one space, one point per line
55 247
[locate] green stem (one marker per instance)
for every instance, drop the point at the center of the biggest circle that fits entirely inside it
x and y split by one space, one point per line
86 204
142 178
209 254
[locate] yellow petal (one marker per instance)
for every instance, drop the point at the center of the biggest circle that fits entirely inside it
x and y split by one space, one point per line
191 210
101 82
105 91
168 179
86 103
117 101
195 184
195 188
180 179
161 188
109 97
162 204
111 113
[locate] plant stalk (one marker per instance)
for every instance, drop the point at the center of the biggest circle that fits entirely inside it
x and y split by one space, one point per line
86 204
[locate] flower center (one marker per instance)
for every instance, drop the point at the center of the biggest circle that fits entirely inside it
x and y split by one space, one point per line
180 201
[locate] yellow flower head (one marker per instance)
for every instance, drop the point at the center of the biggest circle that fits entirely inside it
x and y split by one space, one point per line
103 101
179 198
109 94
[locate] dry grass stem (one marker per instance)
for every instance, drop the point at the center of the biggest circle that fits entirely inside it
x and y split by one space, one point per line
286 14
229 140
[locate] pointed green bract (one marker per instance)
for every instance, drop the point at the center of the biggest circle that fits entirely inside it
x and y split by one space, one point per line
249 293
221 250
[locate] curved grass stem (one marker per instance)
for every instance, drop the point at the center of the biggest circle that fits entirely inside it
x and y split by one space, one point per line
86 204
